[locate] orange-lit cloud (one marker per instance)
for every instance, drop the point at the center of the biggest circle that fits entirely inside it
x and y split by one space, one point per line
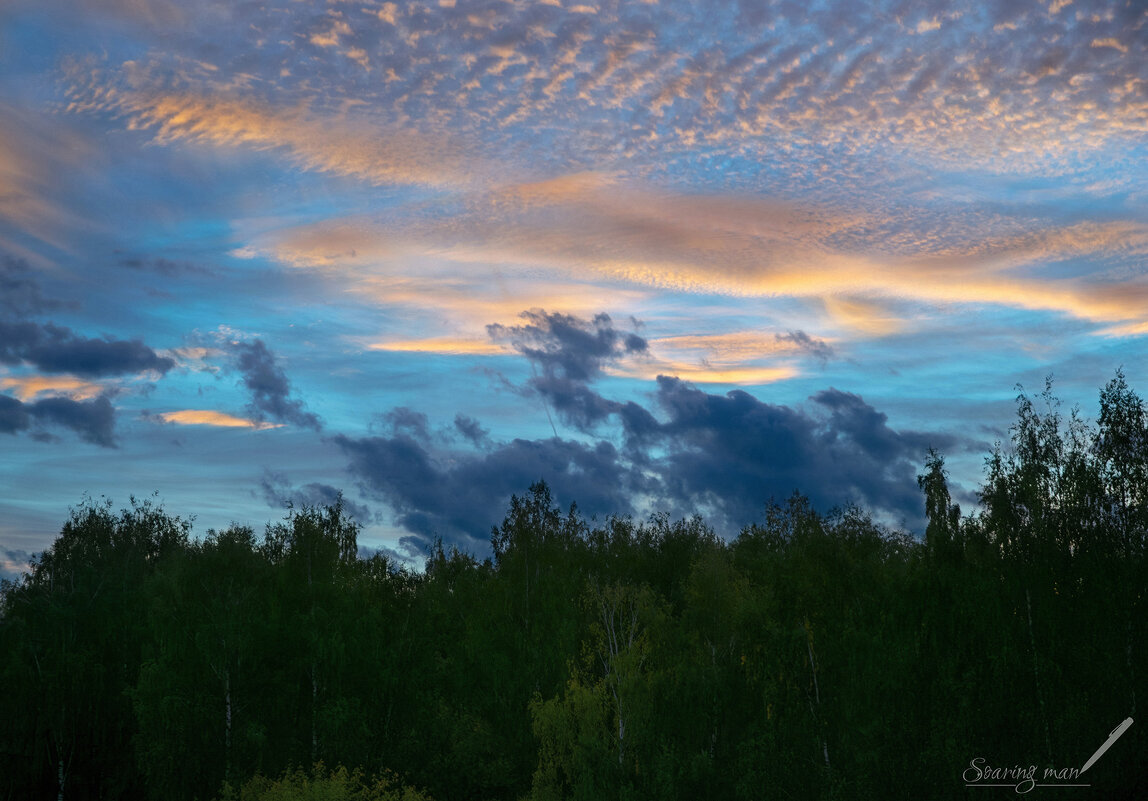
862 316
702 374
28 387
349 145
738 345
33 154
524 250
451 346
205 417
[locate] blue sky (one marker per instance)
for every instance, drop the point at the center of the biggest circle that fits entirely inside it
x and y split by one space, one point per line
664 255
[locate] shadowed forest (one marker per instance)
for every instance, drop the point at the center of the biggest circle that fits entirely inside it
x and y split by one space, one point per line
811 656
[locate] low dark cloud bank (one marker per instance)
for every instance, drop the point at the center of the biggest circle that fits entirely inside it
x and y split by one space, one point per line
690 450
279 493
55 349
93 420
13 563
458 496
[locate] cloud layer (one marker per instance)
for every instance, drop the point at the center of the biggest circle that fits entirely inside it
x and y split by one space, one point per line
779 246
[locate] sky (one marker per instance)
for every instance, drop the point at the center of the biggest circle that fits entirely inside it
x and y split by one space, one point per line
666 256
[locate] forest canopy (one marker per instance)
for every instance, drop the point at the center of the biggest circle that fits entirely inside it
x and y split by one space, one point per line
813 655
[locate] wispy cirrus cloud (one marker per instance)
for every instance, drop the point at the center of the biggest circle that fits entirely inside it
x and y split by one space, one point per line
855 262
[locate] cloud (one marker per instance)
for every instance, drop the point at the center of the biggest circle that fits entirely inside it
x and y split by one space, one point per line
734 452
52 348
528 244
817 348
739 357
460 496
28 387
14 563
471 429
707 373
354 146
570 353
726 455
269 387
205 417
384 93
691 450
20 293
93 420
56 349
402 420
568 347
279 493
452 346
36 159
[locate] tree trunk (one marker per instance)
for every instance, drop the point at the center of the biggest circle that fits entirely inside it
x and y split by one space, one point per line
227 724
1036 675
816 692
314 714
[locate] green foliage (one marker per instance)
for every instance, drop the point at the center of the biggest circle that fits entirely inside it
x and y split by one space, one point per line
321 784
817 656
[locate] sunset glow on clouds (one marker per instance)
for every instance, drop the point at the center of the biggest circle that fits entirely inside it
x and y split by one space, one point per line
389 240
204 417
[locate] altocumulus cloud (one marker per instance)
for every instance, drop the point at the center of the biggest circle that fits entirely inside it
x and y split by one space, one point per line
691 450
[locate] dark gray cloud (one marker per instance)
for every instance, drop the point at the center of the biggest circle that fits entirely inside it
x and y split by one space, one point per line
279 493
55 349
817 348
13 563
20 293
570 352
402 420
734 452
269 387
726 455
566 346
52 348
93 420
459 496
471 429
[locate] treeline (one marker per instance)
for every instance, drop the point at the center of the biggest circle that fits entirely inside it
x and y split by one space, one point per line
811 656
